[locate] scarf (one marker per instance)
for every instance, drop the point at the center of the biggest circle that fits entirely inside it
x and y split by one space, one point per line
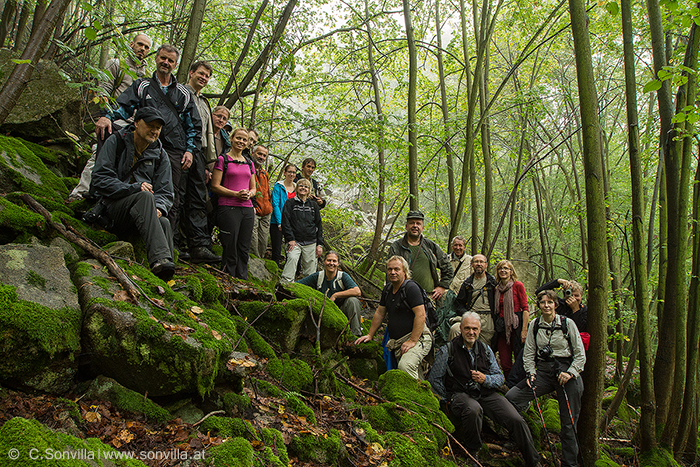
509 316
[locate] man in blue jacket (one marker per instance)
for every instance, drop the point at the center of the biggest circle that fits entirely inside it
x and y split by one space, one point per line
132 178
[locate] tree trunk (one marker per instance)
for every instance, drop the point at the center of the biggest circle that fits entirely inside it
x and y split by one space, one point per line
449 153
106 20
262 58
22 72
189 50
8 13
379 224
594 376
647 426
412 129
22 31
39 11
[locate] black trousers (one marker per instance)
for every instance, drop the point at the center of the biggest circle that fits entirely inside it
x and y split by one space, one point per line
236 232
276 241
190 207
139 210
470 412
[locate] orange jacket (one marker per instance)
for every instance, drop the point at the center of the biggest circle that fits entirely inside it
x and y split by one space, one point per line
263 205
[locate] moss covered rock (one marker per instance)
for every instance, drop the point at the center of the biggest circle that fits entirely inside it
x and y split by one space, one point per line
292 373
17 221
37 446
162 351
39 319
22 170
326 450
125 399
235 452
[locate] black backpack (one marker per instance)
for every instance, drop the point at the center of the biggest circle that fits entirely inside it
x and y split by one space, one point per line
431 318
563 327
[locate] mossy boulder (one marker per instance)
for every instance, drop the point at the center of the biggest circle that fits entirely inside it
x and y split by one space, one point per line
235 452
325 450
22 170
550 412
292 373
47 107
178 347
287 322
103 388
40 319
34 445
413 451
16 221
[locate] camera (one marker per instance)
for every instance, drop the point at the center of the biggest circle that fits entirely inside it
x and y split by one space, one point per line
545 353
473 389
567 293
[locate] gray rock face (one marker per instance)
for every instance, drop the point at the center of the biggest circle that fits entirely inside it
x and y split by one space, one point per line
39 273
39 319
257 269
46 108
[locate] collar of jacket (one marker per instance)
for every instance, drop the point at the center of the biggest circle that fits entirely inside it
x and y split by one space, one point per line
490 280
173 80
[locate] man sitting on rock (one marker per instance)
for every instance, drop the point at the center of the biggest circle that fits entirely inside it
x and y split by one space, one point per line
339 288
132 178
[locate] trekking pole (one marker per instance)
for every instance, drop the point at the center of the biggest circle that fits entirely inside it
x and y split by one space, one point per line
546 434
573 425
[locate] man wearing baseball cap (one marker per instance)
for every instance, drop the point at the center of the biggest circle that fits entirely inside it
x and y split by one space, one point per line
133 181
424 257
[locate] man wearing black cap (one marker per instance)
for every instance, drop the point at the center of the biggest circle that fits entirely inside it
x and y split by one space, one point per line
424 257
133 180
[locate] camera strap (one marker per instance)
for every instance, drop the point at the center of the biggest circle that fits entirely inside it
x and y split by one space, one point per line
563 327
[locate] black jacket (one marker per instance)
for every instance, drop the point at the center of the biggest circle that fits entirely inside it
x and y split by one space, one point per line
580 317
182 132
111 179
301 221
466 294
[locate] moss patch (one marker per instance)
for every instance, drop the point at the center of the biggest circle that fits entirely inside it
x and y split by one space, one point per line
126 399
657 457
236 452
226 427
22 170
16 220
326 450
24 435
550 411
294 374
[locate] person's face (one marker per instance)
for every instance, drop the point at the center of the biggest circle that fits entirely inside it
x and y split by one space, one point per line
458 248
141 45
577 295
470 329
414 227
252 139
147 131
261 156
199 78
308 169
166 62
504 272
547 307
290 174
331 264
479 264
239 140
303 190
394 272
219 120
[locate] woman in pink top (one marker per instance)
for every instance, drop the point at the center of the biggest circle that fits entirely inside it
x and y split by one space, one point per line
235 214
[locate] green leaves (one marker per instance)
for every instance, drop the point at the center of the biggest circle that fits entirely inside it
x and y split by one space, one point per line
21 62
651 86
91 33
613 8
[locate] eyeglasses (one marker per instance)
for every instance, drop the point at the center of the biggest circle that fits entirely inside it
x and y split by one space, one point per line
504 268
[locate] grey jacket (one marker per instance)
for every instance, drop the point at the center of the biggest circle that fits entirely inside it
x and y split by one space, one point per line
111 179
436 257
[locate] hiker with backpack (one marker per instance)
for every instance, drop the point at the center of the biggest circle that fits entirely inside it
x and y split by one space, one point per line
554 358
133 183
339 287
233 180
466 376
402 302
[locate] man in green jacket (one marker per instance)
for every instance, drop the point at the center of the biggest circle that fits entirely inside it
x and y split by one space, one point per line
424 257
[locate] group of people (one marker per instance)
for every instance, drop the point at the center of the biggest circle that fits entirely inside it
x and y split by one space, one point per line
490 317
171 167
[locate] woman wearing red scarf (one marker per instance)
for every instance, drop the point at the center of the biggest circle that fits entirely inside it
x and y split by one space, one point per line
512 315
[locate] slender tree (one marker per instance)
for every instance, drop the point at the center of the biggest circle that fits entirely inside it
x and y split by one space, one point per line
588 431
411 109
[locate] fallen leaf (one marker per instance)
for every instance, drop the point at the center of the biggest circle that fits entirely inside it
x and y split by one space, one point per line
158 302
126 436
216 335
280 409
160 290
92 417
170 283
121 296
196 310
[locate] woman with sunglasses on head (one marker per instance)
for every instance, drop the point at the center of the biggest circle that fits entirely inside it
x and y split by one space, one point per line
554 359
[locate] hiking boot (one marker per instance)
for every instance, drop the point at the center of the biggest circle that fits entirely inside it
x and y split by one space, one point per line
163 269
202 254
182 255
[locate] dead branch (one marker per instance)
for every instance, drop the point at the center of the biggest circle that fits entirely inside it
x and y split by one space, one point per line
216 412
83 243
